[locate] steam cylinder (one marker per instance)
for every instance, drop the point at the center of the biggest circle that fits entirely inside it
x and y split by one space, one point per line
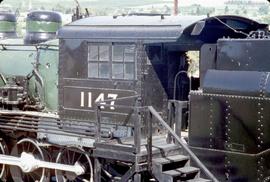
41 26
7 25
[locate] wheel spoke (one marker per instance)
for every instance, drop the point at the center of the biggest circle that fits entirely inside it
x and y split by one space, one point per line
28 148
80 157
73 158
70 156
3 150
31 147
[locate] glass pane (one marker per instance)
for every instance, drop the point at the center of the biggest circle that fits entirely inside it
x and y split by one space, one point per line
118 71
104 53
129 71
92 70
92 53
104 70
129 53
118 53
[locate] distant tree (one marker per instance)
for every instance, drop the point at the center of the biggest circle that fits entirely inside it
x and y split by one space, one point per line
68 11
153 10
167 9
266 19
245 11
263 10
226 10
198 10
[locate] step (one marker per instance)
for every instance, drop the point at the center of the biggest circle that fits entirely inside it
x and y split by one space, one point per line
188 170
170 159
170 162
184 173
165 149
199 180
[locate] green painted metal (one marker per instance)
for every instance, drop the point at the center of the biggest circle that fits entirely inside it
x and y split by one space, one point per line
42 26
48 69
7 26
17 59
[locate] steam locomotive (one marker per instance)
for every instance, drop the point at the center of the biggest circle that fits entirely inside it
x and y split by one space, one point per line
107 102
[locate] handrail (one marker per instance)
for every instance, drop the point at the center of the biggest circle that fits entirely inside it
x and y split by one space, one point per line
137 133
137 124
184 146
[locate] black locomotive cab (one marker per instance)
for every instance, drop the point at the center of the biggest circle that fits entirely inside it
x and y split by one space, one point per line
139 58
129 61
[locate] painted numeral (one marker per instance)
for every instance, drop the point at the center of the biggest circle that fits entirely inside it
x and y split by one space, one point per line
112 96
100 98
82 99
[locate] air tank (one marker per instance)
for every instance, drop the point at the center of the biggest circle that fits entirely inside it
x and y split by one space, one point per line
41 26
7 25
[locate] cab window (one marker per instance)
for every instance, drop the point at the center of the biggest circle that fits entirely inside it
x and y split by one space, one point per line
112 61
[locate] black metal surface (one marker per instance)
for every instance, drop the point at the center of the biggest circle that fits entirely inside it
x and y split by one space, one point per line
233 166
246 55
207 59
39 15
10 17
225 26
247 83
35 38
231 124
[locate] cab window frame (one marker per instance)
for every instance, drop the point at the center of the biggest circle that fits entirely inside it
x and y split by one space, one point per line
118 62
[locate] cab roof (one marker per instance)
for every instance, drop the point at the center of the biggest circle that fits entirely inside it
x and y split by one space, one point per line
152 29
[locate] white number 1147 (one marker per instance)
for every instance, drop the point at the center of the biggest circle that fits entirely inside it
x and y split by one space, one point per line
100 98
